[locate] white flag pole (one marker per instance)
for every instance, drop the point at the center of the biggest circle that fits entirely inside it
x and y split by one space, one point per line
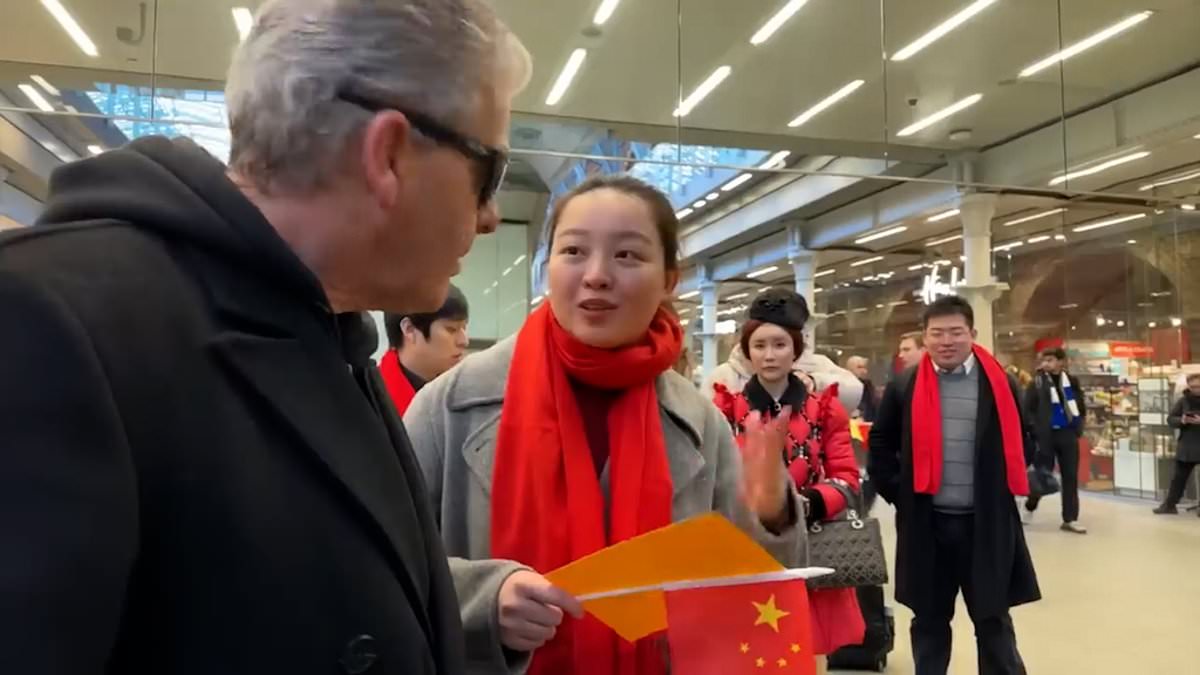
738 580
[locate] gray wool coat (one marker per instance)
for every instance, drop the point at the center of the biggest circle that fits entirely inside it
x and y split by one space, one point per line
453 423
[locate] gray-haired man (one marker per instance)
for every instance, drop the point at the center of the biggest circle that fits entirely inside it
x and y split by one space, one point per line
201 473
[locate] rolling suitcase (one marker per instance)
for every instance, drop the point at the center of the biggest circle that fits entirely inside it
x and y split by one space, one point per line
878 638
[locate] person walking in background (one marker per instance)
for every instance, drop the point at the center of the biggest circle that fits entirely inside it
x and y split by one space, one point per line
816 369
1185 416
423 346
948 451
576 434
911 350
1055 407
818 453
868 404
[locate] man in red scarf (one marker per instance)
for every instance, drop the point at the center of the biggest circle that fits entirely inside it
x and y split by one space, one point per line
949 451
423 346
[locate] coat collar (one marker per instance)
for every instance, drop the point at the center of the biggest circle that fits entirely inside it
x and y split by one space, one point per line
481 380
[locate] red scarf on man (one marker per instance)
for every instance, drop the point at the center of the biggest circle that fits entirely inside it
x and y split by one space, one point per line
927 426
547 505
398 386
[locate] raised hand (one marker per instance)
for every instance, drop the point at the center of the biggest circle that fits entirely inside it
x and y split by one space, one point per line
764 476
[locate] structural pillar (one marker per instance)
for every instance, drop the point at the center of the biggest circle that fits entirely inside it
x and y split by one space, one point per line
708 306
804 268
979 287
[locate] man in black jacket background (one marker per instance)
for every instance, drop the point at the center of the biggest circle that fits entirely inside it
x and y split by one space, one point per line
1055 407
199 471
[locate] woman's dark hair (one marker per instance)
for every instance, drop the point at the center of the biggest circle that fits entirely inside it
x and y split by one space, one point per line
660 209
1057 352
752 325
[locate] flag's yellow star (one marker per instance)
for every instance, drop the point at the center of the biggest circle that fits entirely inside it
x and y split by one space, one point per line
795 648
768 613
761 663
782 663
745 647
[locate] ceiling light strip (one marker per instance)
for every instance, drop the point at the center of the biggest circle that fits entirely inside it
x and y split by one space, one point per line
776 160
41 81
940 115
826 273
866 261
706 87
825 103
944 240
605 11
1087 43
567 76
35 97
944 215
736 182
765 270
776 21
1108 222
1103 166
243 21
881 234
939 31
1171 180
1036 216
68 23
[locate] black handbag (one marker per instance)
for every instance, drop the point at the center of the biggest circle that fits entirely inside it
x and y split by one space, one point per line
1042 481
851 545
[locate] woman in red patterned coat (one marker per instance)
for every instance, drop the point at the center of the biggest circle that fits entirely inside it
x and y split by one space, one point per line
818 455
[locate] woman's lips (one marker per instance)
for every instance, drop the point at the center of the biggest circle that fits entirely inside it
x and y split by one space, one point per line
597 306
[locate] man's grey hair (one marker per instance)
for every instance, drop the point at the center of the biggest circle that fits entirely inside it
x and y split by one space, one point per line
289 127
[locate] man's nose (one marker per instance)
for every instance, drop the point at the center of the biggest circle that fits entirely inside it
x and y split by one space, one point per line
488 218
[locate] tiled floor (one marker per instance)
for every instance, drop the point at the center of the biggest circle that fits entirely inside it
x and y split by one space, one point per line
1123 599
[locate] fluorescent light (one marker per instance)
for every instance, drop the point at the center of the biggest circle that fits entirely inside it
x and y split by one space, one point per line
605 11
1060 237
1038 239
940 115
1036 216
243 20
684 213
1177 178
712 196
881 234
765 270
700 204
1108 221
507 271
574 62
914 268
35 97
1152 324
690 294
68 23
738 296
943 216
537 299
1087 43
866 261
826 273
1103 166
818 290
775 22
1188 207
941 29
520 259
95 149
826 102
736 182
1131 242
775 161
706 87
50 89
1007 247
1176 321
944 240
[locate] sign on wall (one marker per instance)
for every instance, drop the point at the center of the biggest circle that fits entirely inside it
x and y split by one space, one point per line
933 287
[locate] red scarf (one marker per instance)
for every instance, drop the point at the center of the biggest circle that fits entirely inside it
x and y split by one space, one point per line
927 426
398 386
547 505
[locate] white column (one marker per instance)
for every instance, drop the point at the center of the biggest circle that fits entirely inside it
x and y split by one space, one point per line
979 287
804 266
708 299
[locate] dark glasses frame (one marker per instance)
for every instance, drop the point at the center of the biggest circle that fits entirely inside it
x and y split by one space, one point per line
492 162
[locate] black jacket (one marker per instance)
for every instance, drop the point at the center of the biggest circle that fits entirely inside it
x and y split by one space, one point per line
1039 407
1188 449
1003 571
194 479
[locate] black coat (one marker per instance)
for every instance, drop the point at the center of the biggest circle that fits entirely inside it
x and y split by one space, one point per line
193 480
1188 449
1004 575
1039 408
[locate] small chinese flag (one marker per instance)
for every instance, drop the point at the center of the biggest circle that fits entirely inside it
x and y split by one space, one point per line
749 628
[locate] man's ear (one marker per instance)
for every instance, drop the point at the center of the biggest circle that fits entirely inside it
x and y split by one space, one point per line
974 334
672 281
385 140
410 331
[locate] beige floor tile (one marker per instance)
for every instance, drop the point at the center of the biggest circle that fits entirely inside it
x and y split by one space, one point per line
1123 599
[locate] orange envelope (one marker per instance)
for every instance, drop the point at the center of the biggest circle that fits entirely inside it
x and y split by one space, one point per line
703 547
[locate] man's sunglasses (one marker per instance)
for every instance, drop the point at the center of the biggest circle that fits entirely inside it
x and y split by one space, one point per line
491 162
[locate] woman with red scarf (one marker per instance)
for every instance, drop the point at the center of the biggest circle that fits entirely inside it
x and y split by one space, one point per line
577 434
818 452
